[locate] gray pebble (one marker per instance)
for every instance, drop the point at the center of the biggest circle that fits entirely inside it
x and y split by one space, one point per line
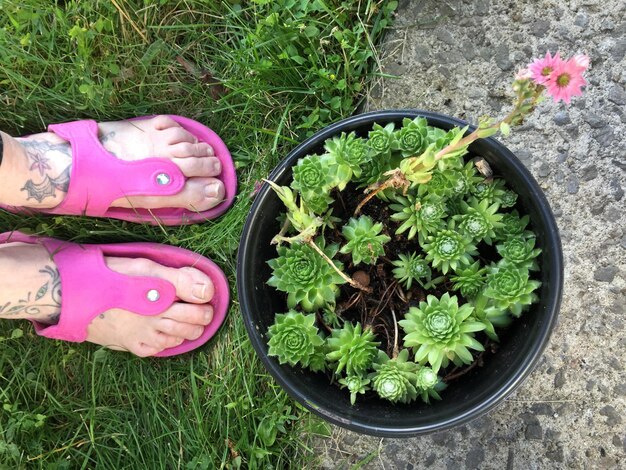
475 457
524 155
539 28
595 121
589 173
623 242
613 417
543 170
604 136
444 36
561 118
556 454
559 379
616 364
619 49
617 94
572 184
617 441
607 25
581 20
620 389
533 431
605 274
620 164
618 192
501 57
542 409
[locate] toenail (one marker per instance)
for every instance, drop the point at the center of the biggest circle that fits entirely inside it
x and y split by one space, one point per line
199 291
216 166
199 332
209 151
212 190
208 316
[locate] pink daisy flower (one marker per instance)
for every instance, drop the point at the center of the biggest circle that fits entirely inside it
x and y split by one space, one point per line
541 69
565 81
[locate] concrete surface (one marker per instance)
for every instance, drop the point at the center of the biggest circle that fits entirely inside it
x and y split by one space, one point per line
459 57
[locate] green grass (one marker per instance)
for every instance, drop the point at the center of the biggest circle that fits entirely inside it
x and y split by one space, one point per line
264 75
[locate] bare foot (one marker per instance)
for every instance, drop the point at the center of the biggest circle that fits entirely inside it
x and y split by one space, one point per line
36 295
35 170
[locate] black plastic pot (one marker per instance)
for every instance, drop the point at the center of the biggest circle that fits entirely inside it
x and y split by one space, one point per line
466 398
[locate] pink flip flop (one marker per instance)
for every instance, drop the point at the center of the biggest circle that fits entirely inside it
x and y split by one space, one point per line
89 287
98 178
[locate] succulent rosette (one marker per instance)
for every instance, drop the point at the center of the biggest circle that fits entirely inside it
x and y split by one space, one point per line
421 217
512 225
448 249
364 240
395 379
520 252
412 138
312 177
381 139
352 349
411 267
355 385
349 153
479 219
508 199
294 338
440 331
470 280
308 280
428 384
511 288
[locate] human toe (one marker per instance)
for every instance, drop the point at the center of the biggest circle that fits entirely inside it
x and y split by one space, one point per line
191 284
205 166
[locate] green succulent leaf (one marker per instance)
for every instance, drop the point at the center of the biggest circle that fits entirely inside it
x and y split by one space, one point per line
395 379
364 242
490 315
440 331
470 280
479 220
381 139
418 216
520 251
411 267
352 349
412 139
294 338
349 153
355 385
306 277
448 249
511 288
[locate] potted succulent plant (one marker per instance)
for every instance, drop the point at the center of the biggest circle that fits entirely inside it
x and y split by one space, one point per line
399 253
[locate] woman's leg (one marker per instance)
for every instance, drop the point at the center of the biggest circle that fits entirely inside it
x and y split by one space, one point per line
34 172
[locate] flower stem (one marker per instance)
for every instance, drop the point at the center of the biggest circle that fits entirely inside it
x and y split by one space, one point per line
352 282
397 180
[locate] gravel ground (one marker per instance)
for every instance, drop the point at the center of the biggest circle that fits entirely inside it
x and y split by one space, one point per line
458 58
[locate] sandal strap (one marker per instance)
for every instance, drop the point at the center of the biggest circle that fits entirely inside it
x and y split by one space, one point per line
90 288
98 178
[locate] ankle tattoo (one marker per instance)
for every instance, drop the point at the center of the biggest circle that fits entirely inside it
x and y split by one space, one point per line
38 152
43 305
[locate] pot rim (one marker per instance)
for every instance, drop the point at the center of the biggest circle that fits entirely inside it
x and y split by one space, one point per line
554 259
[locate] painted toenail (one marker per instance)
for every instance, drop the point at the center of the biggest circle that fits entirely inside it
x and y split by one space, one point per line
212 190
163 179
199 291
153 295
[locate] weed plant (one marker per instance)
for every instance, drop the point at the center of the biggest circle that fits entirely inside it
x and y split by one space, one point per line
263 74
